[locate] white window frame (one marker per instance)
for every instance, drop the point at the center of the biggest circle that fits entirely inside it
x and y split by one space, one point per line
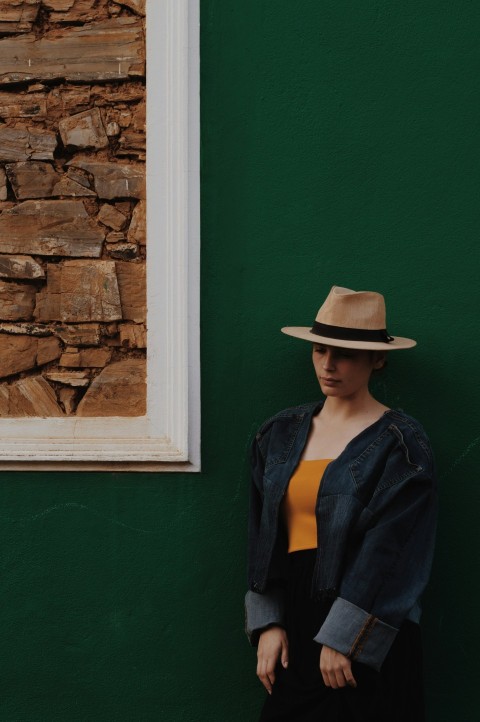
168 437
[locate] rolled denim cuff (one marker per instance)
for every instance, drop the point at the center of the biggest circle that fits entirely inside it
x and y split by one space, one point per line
262 610
356 634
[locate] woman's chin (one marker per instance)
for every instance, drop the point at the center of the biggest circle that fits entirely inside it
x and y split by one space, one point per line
330 389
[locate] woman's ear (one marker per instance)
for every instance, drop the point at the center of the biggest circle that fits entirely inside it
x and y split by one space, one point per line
379 360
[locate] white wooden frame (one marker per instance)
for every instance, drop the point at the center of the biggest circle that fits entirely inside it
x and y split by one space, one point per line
168 437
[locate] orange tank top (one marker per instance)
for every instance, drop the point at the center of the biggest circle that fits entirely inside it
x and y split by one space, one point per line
299 504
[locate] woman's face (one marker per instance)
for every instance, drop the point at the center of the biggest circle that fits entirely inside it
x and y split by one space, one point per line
344 372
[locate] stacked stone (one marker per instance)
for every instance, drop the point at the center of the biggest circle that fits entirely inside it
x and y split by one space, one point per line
72 208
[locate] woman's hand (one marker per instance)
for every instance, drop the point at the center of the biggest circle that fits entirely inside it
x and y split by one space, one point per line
336 669
273 643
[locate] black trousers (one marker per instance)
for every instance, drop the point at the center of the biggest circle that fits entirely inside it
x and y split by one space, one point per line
395 694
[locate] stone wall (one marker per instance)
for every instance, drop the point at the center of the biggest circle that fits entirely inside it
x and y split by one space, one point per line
72 208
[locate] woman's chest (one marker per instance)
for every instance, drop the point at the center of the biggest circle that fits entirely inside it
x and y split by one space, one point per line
326 441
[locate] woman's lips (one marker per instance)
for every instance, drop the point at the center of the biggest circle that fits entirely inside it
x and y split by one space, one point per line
329 382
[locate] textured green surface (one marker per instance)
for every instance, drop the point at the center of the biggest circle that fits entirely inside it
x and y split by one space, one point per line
339 145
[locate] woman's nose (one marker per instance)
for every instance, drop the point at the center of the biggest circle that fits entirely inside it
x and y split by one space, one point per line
328 360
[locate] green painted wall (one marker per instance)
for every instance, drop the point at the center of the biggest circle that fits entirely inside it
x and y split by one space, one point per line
339 145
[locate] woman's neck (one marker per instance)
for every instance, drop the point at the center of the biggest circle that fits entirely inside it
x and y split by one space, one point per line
340 409
339 421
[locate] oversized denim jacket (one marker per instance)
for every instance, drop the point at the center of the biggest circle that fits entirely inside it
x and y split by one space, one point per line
376 516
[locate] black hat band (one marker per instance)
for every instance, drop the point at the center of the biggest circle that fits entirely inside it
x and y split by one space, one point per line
351 334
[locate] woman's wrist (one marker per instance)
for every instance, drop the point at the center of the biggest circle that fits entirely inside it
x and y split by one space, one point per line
268 627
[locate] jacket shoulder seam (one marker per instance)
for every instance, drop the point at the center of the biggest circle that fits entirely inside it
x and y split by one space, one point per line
415 430
290 412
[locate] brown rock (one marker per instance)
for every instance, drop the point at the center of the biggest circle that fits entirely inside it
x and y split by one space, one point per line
67 99
32 396
23 105
80 334
112 129
50 228
18 16
27 328
69 378
47 307
110 335
20 267
132 286
20 353
109 216
26 144
119 390
67 11
115 52
17 353
85 358
84 130
4 400
125 119
68 399
48 349
132 144
133 335
61 6
110 329
114 180
139 124
133 139
82 177
122 251
137 233
111 96
3 185
138 6
68 187
125 206
113 342
89 291
16 301
115 237
80 291
35 179
128 92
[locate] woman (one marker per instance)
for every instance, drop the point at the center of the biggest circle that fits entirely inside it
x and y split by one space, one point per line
341 534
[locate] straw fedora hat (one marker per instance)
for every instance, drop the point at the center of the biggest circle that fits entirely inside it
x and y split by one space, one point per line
351 319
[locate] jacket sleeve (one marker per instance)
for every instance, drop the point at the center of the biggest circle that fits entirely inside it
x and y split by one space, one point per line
388 571
263 610
266 608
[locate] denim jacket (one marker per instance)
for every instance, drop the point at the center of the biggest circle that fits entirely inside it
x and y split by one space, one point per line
376 515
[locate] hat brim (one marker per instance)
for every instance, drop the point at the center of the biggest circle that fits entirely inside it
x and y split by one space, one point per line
305 333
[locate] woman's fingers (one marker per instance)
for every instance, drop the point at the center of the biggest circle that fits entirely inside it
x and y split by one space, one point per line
349 678
266 668
336 669
272 646
266 673
340 678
